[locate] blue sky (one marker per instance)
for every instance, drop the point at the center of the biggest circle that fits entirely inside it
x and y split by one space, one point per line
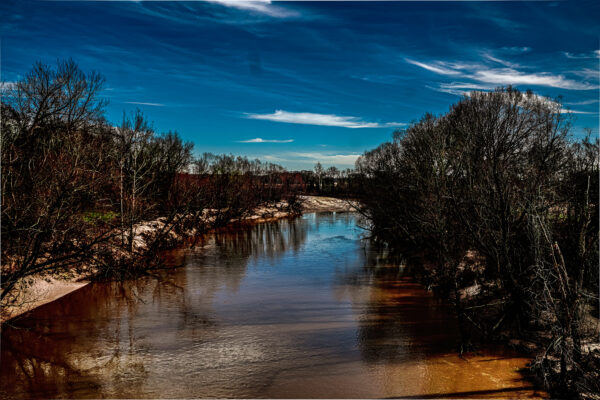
297 82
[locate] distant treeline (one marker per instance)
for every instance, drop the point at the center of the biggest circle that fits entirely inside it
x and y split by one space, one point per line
329 182
499 204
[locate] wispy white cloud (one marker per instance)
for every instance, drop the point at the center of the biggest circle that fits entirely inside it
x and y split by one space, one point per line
272 158
142 103
588 73
582 103
511 76
591 54
261 140
460 88
258 6
321 119
308 159
442 89
503 76
500 61
569 111
437 67
338 159
517 49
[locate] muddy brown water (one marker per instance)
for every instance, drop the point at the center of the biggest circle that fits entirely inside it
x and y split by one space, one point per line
291 309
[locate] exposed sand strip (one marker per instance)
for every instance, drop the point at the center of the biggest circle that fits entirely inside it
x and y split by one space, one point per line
318 203
40 291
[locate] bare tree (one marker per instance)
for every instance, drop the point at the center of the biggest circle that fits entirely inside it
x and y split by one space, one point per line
51 121
498 178
136 147
319 172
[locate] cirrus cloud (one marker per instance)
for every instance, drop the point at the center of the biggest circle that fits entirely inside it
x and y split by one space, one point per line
591 54
321 119
261 140
308 159
502 76
142 103
333 159
258 6
510 76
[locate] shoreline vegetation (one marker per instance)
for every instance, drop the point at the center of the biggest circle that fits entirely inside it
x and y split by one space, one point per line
37 291
495 202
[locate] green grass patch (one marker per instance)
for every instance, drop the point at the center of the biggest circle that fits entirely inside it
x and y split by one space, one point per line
97 217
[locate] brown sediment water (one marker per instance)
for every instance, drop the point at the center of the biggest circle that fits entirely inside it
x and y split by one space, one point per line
290 309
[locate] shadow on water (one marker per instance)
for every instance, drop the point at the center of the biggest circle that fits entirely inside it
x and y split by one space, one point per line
293 308
390 307
465 394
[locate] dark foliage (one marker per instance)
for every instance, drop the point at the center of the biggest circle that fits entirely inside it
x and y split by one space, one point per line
501 207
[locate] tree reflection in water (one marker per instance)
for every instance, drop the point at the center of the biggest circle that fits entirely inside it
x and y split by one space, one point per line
301 308
386 301
107 326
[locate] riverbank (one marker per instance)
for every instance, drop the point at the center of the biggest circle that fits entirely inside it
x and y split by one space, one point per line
541 369
37 291
320 203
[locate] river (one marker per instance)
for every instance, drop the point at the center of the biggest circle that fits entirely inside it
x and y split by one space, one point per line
301 308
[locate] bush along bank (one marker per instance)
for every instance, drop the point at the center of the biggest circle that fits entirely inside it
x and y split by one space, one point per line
502 204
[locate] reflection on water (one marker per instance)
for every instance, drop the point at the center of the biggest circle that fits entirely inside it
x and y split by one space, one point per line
300 308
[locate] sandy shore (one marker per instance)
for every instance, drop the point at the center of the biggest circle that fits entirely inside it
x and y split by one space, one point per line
41 290
318 203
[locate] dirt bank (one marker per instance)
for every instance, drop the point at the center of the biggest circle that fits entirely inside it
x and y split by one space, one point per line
318 203
42 289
